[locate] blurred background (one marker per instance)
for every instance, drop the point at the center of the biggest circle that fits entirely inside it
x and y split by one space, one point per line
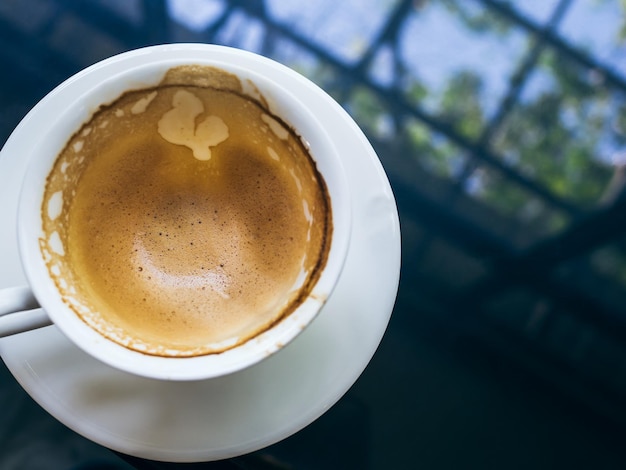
502 128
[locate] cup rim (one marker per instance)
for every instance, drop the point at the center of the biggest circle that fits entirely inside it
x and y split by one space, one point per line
89 83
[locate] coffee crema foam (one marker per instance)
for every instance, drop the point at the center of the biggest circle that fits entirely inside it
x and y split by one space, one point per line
185 219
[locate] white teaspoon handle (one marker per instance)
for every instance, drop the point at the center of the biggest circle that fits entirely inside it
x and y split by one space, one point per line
19 311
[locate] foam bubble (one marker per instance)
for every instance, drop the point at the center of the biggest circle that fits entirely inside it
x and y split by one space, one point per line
292 172
216 278
178 126
307 213
276 127
141 105
205 264
55 205
55 243
273 153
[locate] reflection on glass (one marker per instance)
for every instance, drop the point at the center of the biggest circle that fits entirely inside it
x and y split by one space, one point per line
446 266
536 10
610 261
583 345
514 202
371 112
599 27
565 131
459 50
432 151
196 15
344 29
521 309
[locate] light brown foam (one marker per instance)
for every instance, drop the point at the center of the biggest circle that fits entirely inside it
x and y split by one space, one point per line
172 254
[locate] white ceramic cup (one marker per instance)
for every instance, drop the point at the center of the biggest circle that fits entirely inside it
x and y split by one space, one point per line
102 83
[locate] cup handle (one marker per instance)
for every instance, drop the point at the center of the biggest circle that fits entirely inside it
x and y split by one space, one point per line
20 311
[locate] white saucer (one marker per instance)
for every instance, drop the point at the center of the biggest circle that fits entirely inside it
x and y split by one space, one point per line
243 412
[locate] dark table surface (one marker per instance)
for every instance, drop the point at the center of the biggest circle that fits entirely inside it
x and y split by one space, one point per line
502 128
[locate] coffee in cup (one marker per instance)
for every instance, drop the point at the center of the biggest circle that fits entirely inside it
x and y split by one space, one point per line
185 218
154 175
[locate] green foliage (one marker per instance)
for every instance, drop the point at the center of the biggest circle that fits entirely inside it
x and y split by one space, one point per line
433 152
460 103
368 110
477 19
415 91
556 136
